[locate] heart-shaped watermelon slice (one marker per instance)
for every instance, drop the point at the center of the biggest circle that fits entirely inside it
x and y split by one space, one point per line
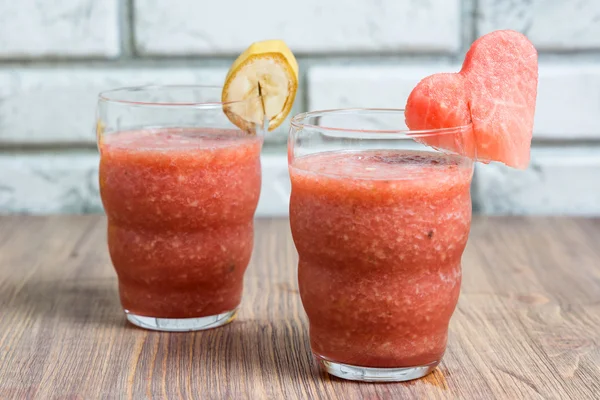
495 90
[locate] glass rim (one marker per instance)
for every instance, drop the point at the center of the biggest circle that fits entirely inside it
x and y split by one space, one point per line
105 96
297 123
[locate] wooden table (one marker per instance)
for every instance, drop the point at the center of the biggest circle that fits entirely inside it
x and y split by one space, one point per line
527 324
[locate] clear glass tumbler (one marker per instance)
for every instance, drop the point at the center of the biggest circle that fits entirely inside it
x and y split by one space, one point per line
380 216
180 184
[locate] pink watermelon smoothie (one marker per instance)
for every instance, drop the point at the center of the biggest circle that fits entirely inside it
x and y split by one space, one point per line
180 206
380 235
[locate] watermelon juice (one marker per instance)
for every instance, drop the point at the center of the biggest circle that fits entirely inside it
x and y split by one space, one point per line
380 234
180 206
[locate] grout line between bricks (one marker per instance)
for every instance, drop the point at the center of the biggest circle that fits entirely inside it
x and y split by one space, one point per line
125 30
130 17
269 146
471 9
579 57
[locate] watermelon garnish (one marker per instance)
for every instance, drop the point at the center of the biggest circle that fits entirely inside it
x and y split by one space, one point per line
495 90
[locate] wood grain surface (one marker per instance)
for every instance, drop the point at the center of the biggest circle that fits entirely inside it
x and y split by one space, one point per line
527 324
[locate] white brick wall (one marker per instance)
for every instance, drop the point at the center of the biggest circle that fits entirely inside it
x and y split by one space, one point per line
366 85
568 105
55 56
67 182
58 105
68 28
49 182
186 27
551 24
276 187
559 181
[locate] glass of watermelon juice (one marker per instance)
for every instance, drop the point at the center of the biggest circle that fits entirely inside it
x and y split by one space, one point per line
380 219
180 185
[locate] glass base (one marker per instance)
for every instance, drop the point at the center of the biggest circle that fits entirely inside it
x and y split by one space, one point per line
369 374
182 324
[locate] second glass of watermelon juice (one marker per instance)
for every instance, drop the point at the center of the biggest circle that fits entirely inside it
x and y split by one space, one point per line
180 185
380 219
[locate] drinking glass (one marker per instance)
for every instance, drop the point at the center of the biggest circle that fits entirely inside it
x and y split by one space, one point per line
180 184
380 216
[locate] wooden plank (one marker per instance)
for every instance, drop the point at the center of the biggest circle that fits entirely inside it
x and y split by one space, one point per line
526 326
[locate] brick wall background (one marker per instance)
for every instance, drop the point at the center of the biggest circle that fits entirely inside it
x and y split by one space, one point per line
56 56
